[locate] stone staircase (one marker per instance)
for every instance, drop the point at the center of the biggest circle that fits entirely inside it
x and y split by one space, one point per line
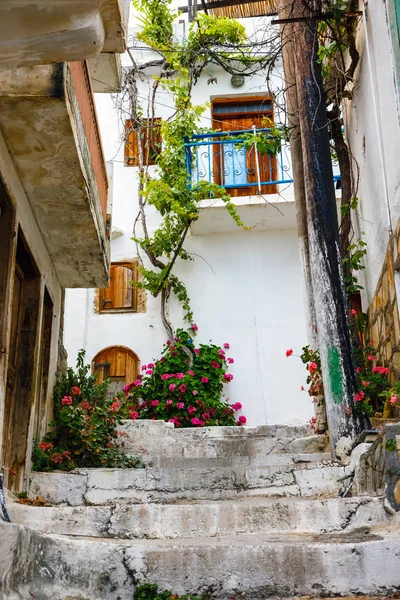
237 512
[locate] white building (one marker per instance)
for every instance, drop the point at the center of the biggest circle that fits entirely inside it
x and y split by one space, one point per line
245 286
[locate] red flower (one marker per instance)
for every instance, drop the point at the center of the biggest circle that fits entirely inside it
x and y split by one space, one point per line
214 364
358 370
45 446
182 388
359 396
370 357
228 377
381 370
242 420
191 409
115 406
226 345
289 352
194 327
312 367
75 391
393 399
204 380
67 400
85 404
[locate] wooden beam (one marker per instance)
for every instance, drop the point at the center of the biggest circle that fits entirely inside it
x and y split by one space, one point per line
223 4
318 17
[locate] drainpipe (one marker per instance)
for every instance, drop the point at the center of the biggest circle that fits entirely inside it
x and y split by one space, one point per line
376 116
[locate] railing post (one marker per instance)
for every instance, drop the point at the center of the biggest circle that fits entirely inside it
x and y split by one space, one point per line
257 163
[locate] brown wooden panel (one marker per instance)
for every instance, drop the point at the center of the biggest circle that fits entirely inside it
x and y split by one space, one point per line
132 369
150 141
120 362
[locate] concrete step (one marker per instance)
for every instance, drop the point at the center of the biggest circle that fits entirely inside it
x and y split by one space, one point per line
252 566
202 519
109 486
160 439
256 460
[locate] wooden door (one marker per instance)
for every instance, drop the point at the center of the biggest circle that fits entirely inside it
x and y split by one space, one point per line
20 391
232 164
117 363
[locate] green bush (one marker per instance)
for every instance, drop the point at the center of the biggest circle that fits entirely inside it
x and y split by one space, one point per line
84 430
185 386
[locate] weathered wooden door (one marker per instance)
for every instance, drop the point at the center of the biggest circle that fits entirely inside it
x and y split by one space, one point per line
119 364
20 391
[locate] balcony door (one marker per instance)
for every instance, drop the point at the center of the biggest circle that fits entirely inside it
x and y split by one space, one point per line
234 166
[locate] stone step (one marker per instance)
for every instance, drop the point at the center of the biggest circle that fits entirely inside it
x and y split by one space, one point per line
190 519
160 439
252 566
109 486
257 460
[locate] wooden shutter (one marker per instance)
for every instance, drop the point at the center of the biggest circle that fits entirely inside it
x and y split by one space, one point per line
249 112
150 142
116 362
121 294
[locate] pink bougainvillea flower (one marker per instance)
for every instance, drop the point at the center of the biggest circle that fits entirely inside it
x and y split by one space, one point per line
289 352
228 377
236 406
359 396
133 414
180 376
67 400
371 357
195 393
194 327
206 416
76 391
155 402
172 386
195 421
226 345
393 399
365 383
230 361
128 387
169 401
221 353
358 370
168 342
302 388
204 380
182 388
196 350
180 405
191 409
190 372
144 367
214 364
164 376
242 420
150 366
353 311
176 339
149 372
172 375
162 359
85 404
312 367
137 383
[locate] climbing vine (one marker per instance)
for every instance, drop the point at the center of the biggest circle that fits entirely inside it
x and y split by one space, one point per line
180 63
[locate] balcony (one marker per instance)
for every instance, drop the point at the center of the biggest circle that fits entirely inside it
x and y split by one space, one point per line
48 120
256 182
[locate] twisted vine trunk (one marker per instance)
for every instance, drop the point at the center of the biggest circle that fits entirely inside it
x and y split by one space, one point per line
335 346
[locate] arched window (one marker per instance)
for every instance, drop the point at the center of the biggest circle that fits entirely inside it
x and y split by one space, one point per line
118 363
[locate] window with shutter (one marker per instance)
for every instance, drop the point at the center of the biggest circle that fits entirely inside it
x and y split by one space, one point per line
150 142
121 295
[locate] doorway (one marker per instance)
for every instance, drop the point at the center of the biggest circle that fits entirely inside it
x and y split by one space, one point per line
20 388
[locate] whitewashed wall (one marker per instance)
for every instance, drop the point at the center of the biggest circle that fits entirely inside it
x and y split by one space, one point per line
245 286
373 130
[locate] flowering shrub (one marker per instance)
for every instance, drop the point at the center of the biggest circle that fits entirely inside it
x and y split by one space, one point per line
185 385
148 591
373 383
84 431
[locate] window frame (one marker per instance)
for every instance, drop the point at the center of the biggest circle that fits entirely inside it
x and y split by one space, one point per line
133 265
131 146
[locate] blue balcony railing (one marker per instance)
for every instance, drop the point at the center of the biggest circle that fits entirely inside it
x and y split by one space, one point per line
212 158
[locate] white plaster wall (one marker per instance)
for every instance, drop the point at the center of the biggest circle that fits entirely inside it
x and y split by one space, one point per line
245 287
372 128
